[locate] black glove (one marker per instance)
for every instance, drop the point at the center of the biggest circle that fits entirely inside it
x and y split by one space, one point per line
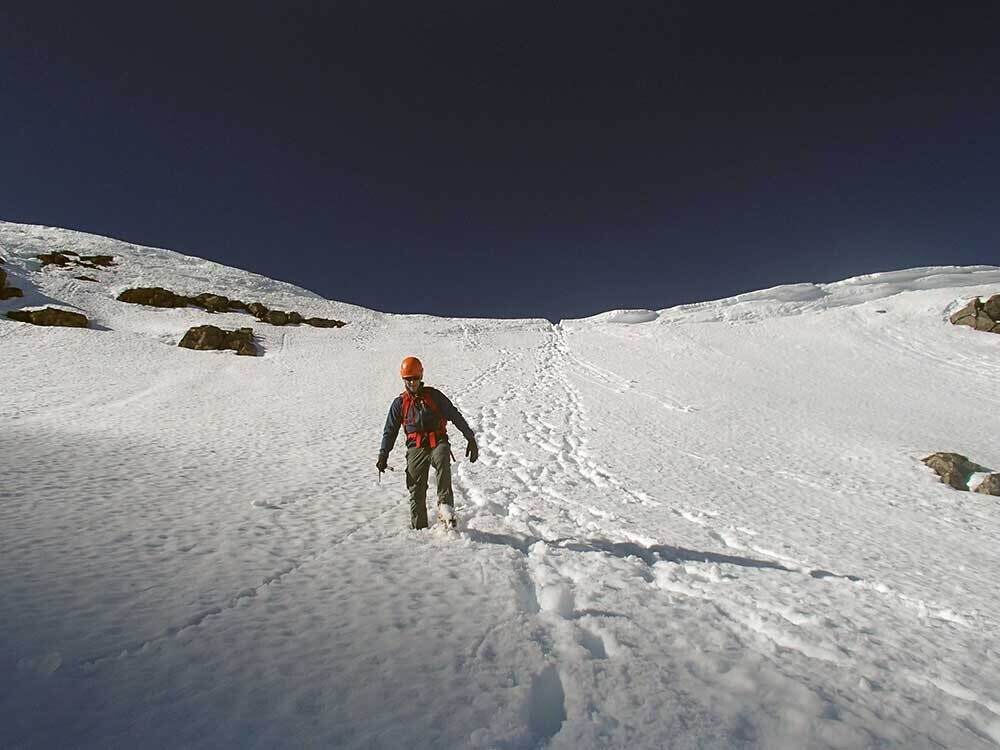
472 450
383 461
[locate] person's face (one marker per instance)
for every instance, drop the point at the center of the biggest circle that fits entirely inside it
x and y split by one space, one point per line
412 384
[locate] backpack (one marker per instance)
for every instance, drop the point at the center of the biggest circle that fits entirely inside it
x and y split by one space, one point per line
428 424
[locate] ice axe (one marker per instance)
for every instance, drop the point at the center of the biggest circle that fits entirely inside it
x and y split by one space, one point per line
390 468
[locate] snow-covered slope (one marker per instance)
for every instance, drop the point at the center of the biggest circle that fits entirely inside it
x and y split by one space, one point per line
706 528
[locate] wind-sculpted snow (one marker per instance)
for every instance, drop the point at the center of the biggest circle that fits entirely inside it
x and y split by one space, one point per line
626 317
796 299
678 534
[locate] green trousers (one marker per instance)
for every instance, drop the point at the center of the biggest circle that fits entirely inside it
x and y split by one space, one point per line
418 464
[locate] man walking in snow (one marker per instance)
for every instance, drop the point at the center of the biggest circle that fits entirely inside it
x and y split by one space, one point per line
423 412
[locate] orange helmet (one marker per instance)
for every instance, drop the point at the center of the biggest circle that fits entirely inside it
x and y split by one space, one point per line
411 368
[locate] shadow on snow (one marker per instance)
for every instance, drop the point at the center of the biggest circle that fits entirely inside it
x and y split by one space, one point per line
649 555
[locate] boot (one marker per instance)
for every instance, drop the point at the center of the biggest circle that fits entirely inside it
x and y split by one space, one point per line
446 516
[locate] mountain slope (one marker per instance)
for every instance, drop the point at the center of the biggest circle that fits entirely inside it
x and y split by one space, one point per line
709 528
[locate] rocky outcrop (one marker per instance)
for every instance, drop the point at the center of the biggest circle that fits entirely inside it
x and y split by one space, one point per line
992 307
257 310
983 316
954 469
84 278
281 318
990 485
209 337
217 303
214 303
154 297
50 316
8 292
68 258
323 323
157 296
56 259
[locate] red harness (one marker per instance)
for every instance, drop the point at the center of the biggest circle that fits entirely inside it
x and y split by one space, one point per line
433 437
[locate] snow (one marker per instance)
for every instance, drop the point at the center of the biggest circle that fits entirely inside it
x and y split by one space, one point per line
706 528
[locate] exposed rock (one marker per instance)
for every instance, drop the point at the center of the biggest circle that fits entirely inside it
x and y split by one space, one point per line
979 315
85 278
990 485
63 259
2 261
986 323
9 292
154 297
55 259
50 316
970 310
242 339
212 337
203 338
959 316
160 297
324 323
215 303
953 468
992 307
257 310
276 318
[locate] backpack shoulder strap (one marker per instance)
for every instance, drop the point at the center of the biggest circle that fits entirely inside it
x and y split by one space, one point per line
407 403
430 401
444 421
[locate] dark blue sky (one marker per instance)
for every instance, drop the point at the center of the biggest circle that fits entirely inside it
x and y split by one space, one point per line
550 159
